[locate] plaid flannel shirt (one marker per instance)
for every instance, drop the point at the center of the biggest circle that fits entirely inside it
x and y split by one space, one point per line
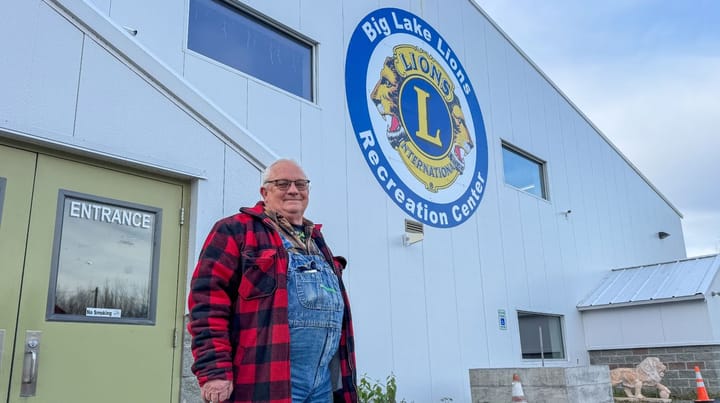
238 311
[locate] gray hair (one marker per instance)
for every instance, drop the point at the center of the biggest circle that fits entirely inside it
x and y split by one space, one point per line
266 172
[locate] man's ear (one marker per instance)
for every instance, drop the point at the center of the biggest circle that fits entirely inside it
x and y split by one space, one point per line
263 192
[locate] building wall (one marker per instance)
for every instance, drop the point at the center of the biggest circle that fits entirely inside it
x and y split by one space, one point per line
669 324
680 362
427 312
713 306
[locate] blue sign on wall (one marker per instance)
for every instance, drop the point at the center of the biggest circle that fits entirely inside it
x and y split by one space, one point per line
416 117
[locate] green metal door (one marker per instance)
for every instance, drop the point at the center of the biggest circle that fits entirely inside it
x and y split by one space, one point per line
95 286
17 173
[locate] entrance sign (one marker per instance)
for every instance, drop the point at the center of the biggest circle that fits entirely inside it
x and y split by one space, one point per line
109 214
416 117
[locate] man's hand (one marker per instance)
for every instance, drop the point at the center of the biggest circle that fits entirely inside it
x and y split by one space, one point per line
216 391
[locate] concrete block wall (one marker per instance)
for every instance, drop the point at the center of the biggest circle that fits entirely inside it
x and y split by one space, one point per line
590 384
680 363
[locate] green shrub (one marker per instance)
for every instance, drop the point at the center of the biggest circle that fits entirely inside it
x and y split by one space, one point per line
373 391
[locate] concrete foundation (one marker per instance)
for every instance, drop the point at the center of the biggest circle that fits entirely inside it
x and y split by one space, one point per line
590 384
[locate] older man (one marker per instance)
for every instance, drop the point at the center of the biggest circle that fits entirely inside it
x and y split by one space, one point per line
269 315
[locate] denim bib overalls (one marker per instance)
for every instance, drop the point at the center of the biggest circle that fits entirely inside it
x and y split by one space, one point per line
315 313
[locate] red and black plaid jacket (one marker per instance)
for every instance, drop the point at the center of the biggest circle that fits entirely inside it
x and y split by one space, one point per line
238 311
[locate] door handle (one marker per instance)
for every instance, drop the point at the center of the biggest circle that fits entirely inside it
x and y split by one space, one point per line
30 367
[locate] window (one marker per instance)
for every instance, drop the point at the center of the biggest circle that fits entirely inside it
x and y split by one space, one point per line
523 171
105 260
247 43
541 336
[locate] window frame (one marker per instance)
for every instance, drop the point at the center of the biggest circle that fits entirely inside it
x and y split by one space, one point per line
50 314
561 328
541 164
268 23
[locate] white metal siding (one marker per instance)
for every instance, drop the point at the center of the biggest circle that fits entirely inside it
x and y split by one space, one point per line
672 324
427 312
160 25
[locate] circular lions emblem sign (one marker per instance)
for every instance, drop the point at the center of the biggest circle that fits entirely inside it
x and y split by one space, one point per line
416 118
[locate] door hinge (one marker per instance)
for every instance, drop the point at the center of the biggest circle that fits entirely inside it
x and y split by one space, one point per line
175 338
182 215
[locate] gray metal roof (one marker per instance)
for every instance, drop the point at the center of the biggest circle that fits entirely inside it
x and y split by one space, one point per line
680 280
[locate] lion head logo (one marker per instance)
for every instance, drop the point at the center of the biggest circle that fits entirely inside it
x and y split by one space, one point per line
462 142
436 156
385 96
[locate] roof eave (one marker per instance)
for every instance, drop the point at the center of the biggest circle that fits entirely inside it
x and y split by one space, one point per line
696 297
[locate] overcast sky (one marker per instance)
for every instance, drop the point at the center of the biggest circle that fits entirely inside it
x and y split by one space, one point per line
647 73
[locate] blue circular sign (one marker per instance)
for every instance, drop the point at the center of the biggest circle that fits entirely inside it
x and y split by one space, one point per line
416 117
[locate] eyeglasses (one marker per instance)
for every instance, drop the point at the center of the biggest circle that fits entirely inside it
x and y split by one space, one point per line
284 184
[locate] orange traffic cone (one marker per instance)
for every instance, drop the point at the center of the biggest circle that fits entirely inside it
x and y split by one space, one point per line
517 392
702 395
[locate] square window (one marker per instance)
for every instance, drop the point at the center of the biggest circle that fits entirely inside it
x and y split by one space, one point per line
523 171
105 260
243 41
541 336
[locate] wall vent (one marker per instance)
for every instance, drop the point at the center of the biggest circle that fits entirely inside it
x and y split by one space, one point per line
414 232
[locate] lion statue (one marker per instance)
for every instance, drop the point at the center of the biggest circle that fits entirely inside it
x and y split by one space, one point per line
648 373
